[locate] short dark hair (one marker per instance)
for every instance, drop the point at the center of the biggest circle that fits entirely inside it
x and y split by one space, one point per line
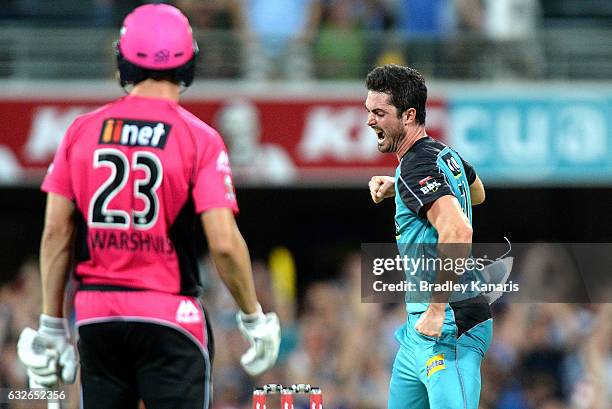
405 86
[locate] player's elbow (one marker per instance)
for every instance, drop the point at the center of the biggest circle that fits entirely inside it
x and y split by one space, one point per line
222 234
456 233
222 247
463 233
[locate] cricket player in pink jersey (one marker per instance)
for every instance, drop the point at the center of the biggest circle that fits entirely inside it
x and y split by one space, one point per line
125 191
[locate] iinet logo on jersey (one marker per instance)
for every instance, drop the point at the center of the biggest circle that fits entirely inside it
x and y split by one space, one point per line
188 313
130 132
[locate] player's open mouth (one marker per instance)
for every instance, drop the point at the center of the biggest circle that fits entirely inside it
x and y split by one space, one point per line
380 135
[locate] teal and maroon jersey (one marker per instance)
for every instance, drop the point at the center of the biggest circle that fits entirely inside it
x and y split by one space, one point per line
428 171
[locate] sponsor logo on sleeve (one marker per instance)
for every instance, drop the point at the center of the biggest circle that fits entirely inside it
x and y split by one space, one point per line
128 132
435 364
223 164
230 194
424 180
429 185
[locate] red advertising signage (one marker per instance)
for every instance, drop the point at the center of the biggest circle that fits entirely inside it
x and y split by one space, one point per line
286 142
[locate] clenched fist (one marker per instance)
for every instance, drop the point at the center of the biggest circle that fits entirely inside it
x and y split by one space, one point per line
381 187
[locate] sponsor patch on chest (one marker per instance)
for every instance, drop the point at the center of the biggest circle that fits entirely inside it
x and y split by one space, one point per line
128 132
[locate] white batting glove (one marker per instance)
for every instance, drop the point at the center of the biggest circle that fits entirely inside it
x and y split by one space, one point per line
47 353
263 333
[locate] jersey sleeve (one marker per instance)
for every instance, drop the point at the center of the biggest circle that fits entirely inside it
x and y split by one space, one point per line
421 183
470 173
213 185
58 179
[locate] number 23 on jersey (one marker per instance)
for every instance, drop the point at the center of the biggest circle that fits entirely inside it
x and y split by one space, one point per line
145 190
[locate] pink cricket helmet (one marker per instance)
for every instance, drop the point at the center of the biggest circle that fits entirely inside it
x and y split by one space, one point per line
157 37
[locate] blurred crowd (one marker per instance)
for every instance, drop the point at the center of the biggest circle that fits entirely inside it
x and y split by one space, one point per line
333 39
543 356
329 39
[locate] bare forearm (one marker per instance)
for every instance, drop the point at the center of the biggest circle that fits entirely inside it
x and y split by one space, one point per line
55 260
235 271
454 245
231 256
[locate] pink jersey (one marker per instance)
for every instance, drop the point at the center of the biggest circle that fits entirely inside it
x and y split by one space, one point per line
140 170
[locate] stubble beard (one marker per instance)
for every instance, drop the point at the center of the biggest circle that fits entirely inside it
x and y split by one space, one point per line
395 137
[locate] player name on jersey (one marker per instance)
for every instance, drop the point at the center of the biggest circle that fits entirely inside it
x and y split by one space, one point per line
130 132
135 241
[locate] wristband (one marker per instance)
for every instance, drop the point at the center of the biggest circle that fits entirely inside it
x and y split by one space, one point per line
57 326
251 318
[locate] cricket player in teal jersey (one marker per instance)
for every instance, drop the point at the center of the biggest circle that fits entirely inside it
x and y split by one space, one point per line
442 343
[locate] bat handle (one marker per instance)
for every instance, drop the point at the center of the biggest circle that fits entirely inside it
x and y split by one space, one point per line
50 404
